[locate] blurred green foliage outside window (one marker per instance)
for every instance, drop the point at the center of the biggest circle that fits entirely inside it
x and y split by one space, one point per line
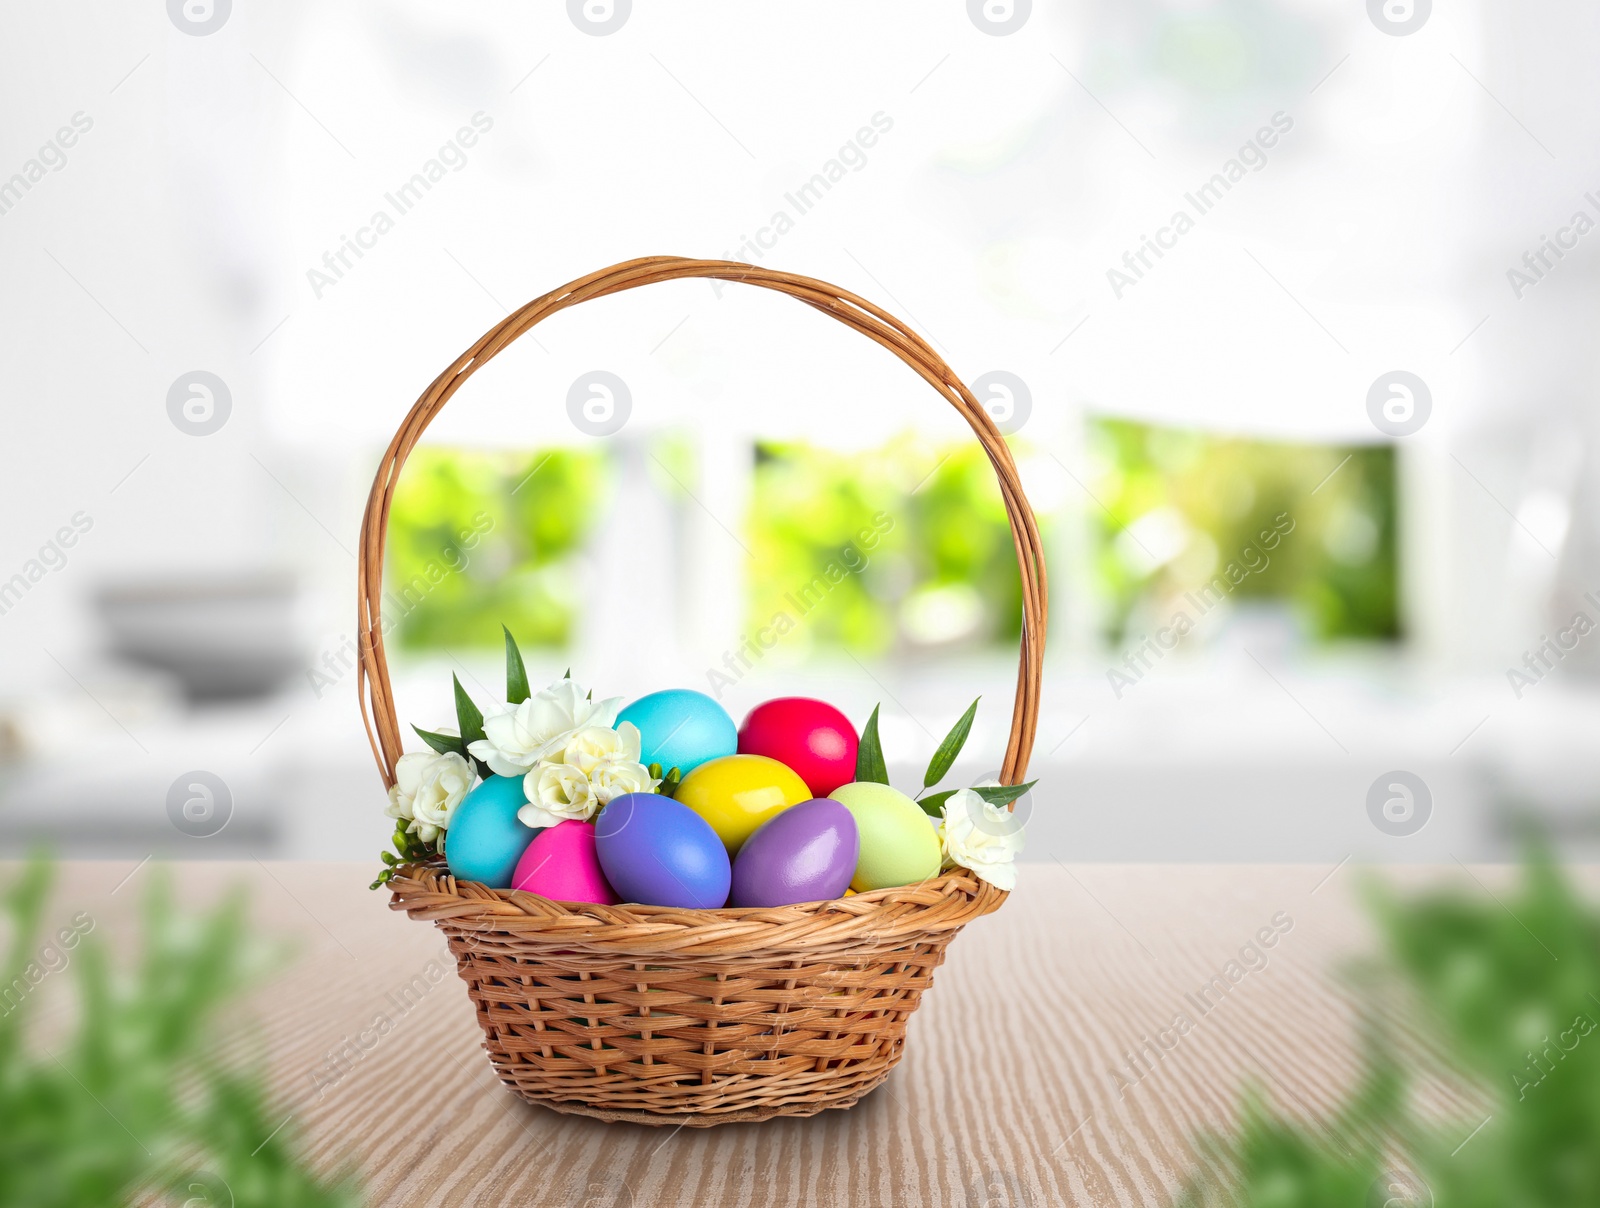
941 573
906 547
477 539
1182 510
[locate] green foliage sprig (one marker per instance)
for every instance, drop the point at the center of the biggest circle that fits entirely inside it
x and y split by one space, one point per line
870 765
135 1101
1509 989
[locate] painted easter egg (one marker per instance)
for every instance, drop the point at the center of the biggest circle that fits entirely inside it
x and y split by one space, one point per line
485 839
807 853
680 729
810 736
659 853
898 847
737 793
560 864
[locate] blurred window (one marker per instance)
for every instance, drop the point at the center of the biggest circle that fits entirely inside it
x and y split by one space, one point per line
1192 519
481 538
901 546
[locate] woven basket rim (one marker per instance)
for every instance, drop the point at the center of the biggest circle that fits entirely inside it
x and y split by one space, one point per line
427 892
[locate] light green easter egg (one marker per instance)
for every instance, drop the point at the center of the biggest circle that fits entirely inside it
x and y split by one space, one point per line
898 847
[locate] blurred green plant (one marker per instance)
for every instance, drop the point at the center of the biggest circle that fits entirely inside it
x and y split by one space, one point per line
1510 991
940 571
133 1103
477 539
1179 507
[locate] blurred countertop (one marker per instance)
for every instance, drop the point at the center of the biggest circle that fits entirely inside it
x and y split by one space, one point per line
1236 761
1015 1082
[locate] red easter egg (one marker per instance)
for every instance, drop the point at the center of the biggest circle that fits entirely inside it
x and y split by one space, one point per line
810 736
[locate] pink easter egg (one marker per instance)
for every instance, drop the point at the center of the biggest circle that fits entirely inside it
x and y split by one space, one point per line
560 864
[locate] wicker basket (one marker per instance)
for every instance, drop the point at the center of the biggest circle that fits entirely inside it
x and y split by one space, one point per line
660 1015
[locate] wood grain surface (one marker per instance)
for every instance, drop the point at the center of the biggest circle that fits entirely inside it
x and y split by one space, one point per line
1043 1068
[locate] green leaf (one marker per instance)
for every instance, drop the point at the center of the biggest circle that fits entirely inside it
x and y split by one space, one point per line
445 744
950 747
994 794
567 674
1003 794
470 721
469 718
869 755
516 673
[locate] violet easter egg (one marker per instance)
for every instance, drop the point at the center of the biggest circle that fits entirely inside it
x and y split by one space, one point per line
680 728
807 853
810 736
659 853
560 864
485 839
898 847
737 793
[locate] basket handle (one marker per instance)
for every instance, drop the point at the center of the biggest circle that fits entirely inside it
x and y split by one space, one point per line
372 675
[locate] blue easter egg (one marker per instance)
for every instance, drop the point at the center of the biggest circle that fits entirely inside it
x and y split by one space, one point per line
485 839
680 728
658 852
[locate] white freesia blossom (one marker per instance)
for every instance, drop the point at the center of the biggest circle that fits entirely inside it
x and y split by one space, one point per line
612 778
556 792
597 765
981 837
594 745
428 787
517 737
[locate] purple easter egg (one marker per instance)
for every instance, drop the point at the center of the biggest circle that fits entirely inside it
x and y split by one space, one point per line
805 854
659 852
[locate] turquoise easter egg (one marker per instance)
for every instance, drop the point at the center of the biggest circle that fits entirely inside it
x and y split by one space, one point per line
680 728
485 839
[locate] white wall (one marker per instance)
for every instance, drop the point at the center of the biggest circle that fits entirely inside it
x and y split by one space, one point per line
1018 171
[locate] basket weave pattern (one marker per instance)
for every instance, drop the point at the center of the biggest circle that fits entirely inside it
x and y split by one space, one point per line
659 1015
697 1017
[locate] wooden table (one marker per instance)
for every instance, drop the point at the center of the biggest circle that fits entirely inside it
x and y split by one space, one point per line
1044 1067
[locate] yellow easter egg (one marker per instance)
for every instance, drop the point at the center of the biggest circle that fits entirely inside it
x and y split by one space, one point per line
737 793
898 843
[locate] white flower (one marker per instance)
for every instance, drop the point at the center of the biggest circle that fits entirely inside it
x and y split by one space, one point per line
981 837
516 737
556 792
428 787
593 745
597 765
610 758
612 778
